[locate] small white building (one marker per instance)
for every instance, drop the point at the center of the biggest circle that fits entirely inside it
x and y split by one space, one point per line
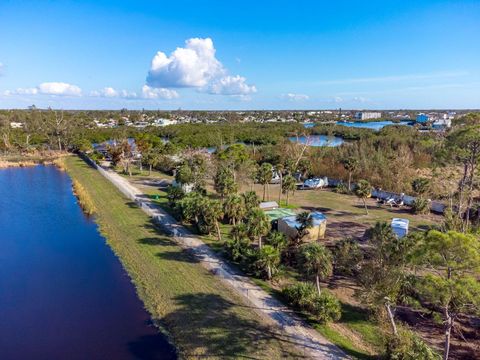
268 205
163 122
16 125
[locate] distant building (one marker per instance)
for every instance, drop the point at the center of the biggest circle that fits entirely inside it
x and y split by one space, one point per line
16 125
164 122
365 115
422 118
441 124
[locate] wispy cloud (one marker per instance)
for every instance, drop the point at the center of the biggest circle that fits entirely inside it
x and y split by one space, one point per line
395 78
294 97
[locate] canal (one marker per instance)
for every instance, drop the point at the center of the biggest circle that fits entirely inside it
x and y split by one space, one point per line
63 293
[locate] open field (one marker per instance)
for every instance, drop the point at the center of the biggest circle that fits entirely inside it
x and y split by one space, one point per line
202 316
345 213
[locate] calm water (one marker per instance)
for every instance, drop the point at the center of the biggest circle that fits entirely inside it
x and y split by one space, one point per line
63 293
318 140
375 125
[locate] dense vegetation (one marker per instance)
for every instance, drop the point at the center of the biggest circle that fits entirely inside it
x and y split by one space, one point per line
436 271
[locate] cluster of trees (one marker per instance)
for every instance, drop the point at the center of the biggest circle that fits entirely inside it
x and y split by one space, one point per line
251 242
227 133
437 271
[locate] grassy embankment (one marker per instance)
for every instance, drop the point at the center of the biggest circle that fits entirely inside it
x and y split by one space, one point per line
202 316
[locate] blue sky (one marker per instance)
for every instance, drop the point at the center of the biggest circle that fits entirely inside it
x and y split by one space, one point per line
240 55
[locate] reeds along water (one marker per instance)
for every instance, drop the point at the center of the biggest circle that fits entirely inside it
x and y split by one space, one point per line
84 199
60 164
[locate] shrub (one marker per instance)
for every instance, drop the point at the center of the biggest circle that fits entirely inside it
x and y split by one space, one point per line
237 248
341 189
174 193
303 296
420 206
300 295
408 346
97 157
347 255
326 307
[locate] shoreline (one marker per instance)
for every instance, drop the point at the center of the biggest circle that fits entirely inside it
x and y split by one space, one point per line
28 160
201 316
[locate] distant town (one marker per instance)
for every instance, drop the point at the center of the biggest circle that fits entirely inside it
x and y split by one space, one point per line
425 120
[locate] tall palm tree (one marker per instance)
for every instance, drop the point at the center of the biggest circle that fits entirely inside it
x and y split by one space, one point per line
234 208
288 185
264 177
279 168
306 222
251 200
351 165
268 259
316 259
212 213
258 225
239 231
152 158
363 191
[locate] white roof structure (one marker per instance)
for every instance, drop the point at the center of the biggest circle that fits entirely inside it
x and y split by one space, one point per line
400 226
268 205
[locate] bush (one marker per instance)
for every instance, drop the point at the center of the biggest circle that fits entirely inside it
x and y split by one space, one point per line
300 294
174 194
341 189
347 255
408 346
237 249
326 307
97 157
303 296
420 206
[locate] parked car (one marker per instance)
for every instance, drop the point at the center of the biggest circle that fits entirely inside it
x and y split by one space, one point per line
315 183
275 178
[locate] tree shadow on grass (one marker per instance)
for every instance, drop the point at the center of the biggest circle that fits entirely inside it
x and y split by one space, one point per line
212 327
181 255
160 240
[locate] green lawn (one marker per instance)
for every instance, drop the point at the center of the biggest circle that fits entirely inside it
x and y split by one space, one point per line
350 208
202 316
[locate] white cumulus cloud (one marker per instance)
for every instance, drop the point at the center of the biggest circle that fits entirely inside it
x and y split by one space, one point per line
105 92
231 85
195 66
48 88
59 88
191 66
110 92
158 93
295 97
